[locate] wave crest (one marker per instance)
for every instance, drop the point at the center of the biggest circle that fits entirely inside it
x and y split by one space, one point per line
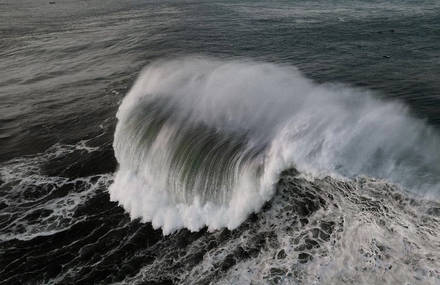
200 142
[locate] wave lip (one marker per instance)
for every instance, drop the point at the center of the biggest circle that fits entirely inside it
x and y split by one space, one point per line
200 141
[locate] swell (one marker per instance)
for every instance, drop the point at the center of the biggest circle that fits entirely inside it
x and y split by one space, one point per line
201 162
200 142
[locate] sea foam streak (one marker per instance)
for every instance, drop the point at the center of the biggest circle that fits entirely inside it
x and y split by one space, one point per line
200 142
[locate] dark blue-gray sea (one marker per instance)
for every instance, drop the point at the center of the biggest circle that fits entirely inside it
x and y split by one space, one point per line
219 142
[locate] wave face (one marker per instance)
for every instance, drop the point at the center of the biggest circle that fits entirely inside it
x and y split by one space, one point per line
201 141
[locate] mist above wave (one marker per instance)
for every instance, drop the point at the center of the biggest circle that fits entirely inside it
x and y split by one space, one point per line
201 141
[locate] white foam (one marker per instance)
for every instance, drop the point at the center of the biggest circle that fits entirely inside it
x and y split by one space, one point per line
319 129
30 190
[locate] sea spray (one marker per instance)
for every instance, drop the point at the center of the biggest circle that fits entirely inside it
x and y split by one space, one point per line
201 141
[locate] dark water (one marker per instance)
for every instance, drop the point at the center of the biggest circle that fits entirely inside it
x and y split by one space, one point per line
64 69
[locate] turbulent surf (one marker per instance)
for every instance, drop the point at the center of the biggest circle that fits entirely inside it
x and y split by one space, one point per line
202 141
219 142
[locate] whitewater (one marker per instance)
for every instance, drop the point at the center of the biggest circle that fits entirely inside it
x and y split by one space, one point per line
201 141
219 142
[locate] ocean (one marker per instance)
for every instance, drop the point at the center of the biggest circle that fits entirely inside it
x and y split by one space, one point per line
219 142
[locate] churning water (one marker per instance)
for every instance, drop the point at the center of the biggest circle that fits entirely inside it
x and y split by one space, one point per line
244 142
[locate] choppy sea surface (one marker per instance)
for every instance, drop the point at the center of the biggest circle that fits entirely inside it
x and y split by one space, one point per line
219 142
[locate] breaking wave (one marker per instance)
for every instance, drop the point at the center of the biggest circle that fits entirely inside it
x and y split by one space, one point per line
201 141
